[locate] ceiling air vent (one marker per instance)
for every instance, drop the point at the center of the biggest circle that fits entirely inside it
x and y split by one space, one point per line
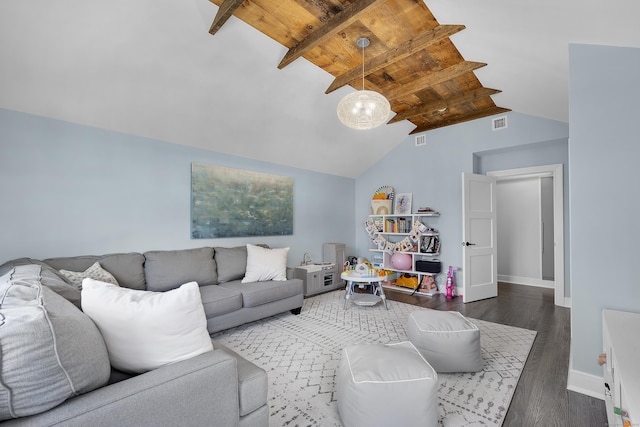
499 123
421 140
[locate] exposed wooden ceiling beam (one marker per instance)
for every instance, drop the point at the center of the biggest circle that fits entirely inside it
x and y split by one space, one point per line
315 29
395 54
336 24
225 11
431 107
433 79
461 119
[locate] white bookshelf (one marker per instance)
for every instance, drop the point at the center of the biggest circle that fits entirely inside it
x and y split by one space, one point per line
395 228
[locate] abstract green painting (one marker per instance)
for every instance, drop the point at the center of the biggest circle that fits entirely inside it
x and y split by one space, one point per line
227 202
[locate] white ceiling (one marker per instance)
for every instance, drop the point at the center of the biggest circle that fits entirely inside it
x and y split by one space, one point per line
150 68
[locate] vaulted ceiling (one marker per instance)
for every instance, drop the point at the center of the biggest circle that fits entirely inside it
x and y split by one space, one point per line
151 68
411 60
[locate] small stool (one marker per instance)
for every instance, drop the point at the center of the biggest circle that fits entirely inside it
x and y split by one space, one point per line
446 339
386 385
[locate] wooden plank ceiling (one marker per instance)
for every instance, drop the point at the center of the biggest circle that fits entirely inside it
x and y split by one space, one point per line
410 60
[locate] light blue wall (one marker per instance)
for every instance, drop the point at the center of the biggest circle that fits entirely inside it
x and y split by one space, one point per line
74 190
604 150
433 172
530 155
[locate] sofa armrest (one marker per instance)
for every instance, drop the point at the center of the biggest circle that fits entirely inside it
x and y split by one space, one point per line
199 391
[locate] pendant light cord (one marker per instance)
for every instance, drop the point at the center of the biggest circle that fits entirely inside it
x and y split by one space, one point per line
363 67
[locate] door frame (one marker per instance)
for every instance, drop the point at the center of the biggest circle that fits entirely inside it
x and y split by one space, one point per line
556 172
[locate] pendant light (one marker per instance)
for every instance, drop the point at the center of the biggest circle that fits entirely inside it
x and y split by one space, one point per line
364 109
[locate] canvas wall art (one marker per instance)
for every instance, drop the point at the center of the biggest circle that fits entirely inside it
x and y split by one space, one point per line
402 204
228 202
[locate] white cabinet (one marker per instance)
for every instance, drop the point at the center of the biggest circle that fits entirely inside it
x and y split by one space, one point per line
620 332
406 234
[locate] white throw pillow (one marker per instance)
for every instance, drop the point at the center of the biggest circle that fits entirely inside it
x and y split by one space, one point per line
95 272
265 264
145 330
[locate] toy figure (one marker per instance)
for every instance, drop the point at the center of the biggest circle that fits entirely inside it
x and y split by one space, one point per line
451 286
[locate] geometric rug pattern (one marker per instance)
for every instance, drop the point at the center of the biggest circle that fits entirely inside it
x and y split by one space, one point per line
301 354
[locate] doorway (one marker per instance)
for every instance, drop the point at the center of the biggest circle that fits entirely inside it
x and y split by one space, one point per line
525 232
549 179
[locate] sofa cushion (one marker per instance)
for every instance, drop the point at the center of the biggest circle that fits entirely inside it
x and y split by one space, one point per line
165 270
95 272
51 351
128 269
265 264
231 263
145 330
258 293
217 300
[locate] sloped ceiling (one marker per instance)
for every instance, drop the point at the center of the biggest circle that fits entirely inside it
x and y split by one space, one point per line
151 68
410 58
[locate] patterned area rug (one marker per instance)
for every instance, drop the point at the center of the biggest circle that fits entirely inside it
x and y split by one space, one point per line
301 354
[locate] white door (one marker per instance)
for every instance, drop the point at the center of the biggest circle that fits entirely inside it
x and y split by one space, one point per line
479 248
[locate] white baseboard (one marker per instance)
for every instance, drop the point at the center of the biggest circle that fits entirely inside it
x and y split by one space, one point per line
586 384
565 303
529 281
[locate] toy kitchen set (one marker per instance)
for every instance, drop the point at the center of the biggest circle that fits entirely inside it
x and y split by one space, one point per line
322 276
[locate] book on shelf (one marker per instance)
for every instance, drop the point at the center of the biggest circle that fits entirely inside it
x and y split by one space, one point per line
402 225
426 211
390 226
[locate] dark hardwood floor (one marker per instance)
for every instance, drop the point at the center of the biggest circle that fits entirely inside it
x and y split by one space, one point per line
541 397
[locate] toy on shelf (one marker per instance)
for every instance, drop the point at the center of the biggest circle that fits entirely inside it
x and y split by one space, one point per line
451 285
382 200
428 285
401 261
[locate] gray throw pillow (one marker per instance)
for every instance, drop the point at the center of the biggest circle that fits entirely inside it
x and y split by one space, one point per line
166 270
128 269
95 272
51 351
9 265
49 277
54 282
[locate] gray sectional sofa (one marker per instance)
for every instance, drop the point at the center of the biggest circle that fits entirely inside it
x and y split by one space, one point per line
217 387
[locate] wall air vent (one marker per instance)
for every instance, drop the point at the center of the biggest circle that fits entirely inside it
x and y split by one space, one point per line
421 140
499 123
